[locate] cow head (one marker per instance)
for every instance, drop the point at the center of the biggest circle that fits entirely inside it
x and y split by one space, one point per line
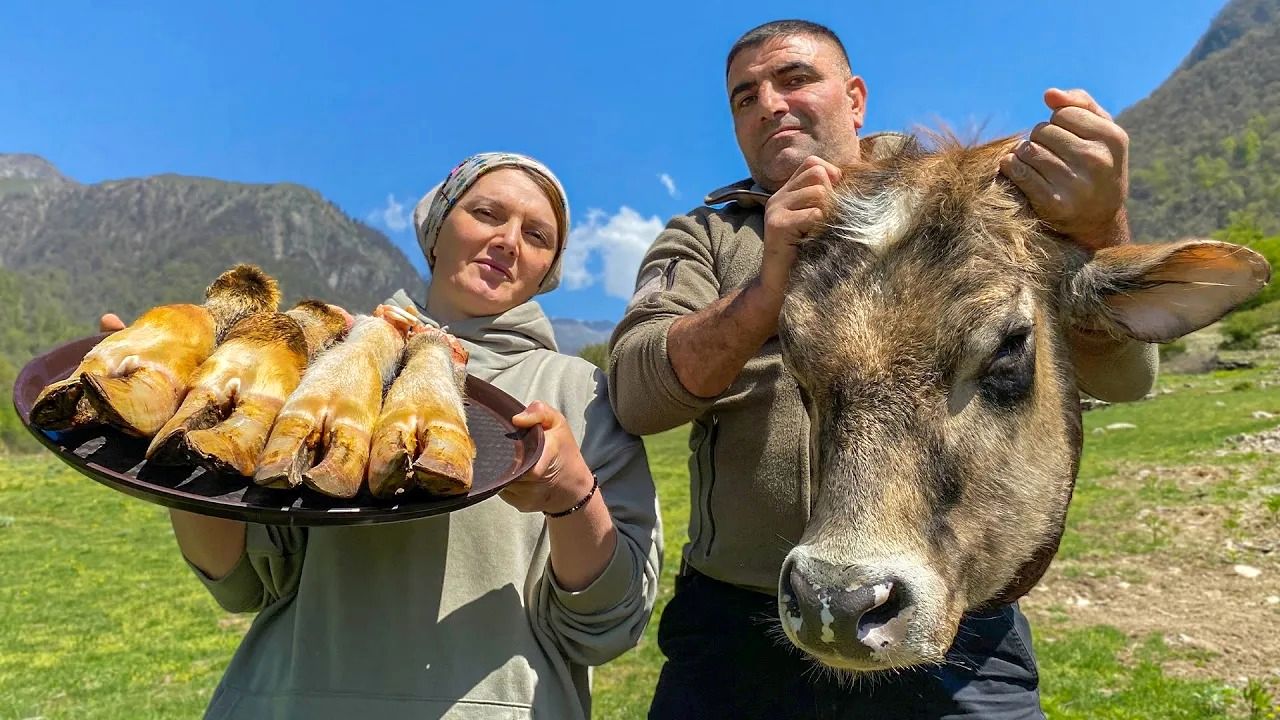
930 328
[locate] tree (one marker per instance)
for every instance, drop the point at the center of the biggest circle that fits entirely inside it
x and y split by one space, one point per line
597 354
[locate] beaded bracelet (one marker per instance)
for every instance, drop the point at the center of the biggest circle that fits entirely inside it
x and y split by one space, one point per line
595 485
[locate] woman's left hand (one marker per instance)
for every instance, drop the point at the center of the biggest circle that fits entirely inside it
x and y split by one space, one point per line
560 478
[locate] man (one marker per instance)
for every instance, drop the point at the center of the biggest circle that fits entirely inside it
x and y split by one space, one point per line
698 344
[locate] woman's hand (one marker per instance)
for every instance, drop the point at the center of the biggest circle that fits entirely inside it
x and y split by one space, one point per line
560 478
582 542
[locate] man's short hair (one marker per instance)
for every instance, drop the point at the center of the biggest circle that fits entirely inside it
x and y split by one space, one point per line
784 28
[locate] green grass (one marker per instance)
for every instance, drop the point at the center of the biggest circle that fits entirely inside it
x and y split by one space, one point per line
100 619
1180 428
1083 676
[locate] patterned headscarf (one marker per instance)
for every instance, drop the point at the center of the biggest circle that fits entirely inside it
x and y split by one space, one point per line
429 214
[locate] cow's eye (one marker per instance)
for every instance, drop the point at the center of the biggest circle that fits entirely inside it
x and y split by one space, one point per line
1011 370
1011 349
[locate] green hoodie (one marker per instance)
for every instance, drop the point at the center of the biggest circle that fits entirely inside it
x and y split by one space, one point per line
453 616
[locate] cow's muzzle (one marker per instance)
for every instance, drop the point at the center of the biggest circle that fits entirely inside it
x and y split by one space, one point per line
850 617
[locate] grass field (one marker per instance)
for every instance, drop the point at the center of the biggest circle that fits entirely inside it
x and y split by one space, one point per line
1142 616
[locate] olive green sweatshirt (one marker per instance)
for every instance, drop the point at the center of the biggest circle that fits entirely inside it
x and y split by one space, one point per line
459 615
749 462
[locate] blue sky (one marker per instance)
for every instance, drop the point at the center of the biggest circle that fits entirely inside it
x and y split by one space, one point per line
372 103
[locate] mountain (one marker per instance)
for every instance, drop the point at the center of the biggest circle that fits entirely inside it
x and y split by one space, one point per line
22 166
1205 145
127 245
573 335
28 174
1232 22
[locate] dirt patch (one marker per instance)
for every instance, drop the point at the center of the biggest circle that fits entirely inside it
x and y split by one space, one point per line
1267 441
1208 607
1211 586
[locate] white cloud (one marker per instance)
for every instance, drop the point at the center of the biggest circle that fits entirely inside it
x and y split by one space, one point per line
669 184
619 241
393 217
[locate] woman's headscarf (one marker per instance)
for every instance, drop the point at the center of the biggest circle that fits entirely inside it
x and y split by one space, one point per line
429 214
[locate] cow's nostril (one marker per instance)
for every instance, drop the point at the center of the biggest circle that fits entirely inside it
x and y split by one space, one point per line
853 603
884 624
791 603
800 603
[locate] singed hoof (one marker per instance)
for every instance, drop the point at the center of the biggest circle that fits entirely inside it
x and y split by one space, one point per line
341 473
445 466
332 482
220 452
169 449
391 463
169 446
290 452
284 469
442 478
63 406
138 404
284 473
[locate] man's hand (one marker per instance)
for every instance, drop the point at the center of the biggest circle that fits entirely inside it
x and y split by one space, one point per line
110 323
1074 169
797 209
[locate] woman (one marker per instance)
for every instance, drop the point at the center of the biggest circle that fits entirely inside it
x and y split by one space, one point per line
496 610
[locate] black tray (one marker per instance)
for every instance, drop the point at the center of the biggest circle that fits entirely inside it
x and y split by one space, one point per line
503 453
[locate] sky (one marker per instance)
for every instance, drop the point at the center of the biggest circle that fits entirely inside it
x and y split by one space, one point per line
372 103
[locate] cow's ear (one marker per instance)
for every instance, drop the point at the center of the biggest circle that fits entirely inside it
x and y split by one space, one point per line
1158 293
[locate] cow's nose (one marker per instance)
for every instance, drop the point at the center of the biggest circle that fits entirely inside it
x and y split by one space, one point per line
827 610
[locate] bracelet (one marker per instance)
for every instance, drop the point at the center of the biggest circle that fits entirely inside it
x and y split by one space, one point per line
595 485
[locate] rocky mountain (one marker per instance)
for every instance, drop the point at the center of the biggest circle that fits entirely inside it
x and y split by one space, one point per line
21 166
30 174
127 245
1205 145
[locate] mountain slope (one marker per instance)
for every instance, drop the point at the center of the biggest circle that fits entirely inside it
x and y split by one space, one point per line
1205 146
128 245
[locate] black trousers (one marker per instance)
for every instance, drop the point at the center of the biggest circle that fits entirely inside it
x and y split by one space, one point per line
727 658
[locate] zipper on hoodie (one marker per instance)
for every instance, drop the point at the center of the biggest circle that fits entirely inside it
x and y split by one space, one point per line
710 476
